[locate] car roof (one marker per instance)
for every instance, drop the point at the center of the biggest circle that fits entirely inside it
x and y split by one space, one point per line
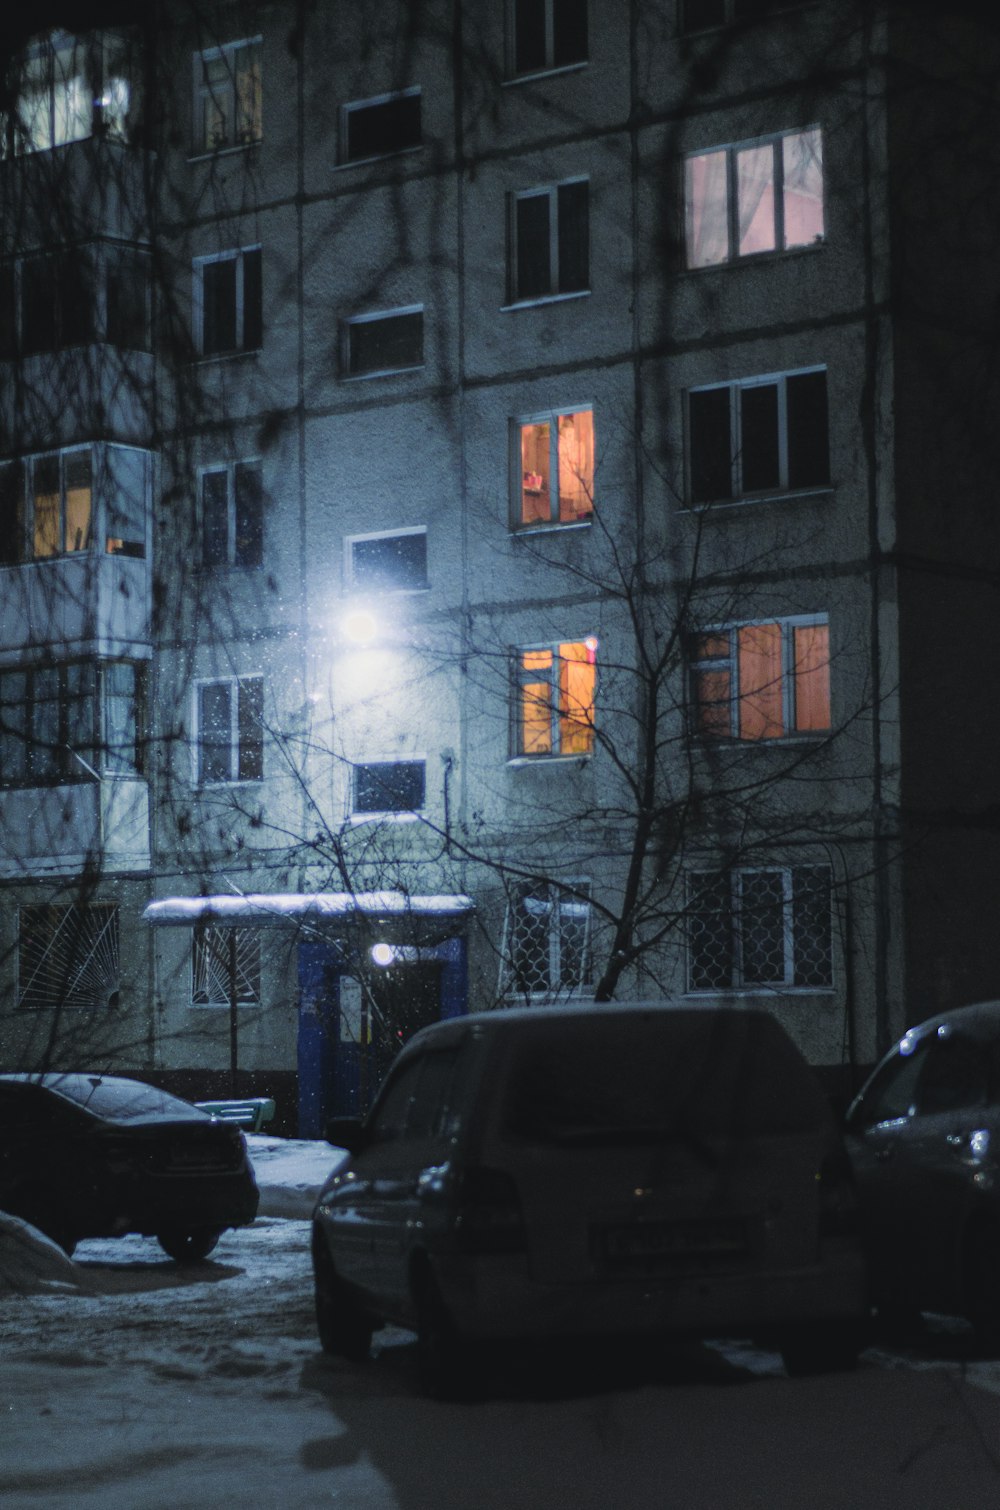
980 1019
112 1098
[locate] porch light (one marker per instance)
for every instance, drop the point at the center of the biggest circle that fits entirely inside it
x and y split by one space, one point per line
382 955
360 626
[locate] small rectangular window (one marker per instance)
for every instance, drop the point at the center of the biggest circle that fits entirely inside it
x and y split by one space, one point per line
760 681
61 502
389 563
547 34
229 738
384 343
389 786
553 469
759 436
555 692
229 303
225 963
232 515
754 197
546 950
767 928
228 96
550 241
128 288
376 128
68 956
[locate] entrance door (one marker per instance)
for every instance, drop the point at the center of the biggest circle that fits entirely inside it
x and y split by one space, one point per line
404 998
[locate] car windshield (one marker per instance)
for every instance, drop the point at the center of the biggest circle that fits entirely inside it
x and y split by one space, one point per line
116 1100
689 1077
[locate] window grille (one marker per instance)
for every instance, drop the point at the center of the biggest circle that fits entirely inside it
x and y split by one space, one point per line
211 963
546 948
767 927
68 956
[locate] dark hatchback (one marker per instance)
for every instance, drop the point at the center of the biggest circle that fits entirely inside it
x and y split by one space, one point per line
924 1139
102 1156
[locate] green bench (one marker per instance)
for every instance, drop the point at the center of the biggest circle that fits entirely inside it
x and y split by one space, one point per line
250 1114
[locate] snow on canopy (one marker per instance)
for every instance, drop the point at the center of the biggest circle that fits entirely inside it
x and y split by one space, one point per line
282 907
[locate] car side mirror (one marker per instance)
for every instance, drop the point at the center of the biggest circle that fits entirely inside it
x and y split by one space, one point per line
346 1132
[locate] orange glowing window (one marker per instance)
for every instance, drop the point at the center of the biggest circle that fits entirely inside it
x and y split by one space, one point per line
555 482
555 699
760 681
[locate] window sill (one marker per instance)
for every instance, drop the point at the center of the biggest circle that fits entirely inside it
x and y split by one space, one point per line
413 816
519 531
378 157
544 73
780 742
750 500
703 993
212 154
205 358
223 1006
515 304
548 760
227 786
757 259
381 372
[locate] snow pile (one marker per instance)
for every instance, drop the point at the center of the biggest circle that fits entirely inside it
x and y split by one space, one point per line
30 1262
290 1173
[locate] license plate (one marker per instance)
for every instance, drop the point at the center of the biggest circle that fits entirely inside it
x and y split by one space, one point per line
641 1242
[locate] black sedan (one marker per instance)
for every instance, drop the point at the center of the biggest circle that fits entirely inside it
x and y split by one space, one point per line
924 1140
101 1156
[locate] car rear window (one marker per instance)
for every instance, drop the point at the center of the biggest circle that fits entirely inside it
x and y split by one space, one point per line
649 1077
116 1100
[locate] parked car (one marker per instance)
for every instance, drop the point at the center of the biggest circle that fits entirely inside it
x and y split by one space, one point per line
924 1139
616 1170
100 1156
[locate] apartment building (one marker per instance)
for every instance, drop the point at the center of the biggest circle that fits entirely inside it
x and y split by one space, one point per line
495 510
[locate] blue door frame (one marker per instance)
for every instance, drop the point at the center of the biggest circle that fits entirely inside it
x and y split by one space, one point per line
333 1070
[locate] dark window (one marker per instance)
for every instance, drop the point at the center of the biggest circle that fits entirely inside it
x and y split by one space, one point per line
762 436
67 722
390 563
377 128
767 927
12 540
68 957
551 241
230 742
548 34
385 343
231 303
222 958
547 949
128 296
389 786
232 515
8 311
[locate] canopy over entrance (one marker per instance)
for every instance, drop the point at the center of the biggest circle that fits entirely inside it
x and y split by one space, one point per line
298 909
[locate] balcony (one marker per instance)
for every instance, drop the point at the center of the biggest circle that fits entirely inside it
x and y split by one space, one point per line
62 830
81 605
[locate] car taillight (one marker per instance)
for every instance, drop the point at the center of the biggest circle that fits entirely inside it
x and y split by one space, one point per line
489 1212
838 1197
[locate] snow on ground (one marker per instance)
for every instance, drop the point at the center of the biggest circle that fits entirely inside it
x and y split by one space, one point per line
290 1172
154 1387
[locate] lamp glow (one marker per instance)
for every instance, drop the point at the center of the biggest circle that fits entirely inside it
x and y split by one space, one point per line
360 626
382 955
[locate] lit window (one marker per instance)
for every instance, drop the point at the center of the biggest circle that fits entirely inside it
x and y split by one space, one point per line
761 681
68 956
228 303
768 927
223 959
229 740
388 786
550 241
547 34
229 96
376 128
547 945
760 196
555 699
232 515
554 469
384 343
761 436
389 563
68 89
71 721
61 499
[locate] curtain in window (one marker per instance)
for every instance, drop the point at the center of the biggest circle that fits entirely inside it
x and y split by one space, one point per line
811 644
760 681
705 198
576 465
536 702
79 500
802 160
755 199
577 677
535 496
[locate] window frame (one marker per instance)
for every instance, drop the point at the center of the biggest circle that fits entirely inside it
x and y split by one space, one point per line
560 895
100 956
206 953
93 54
349 373
205 92
523 675
556 241
784 439
231 471
238 256
735 945
375 102
781 246
551 44
239 750
393 814
18 535
551 417
359 585
98 261
729 665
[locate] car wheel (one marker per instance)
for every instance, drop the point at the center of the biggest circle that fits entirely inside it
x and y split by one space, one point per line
830 1349
443 1355
345 1330
982 1282
189 1247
